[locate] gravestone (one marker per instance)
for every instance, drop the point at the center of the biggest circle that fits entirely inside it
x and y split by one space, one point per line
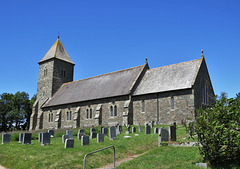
119 128
69 143
64 137
100 138
129 128
172 133
20 137
6 138
164 134
85 140
93 135
105 131
112 133
147 130
51 132
46 138
152 124
175 124
117 131
92 130
80 133
140 129
27 137
155 130
69 133
133 129
40 137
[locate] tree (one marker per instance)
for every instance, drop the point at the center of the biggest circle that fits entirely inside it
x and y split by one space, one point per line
218 131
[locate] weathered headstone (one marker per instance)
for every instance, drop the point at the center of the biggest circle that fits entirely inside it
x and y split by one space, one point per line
64 137
6 138
172 133
112 133
119 128
51 132
27 137
46 139
21 137
92 130
69 133
105 131
155 130
100 138
93 135
147 130
133 129
80 133
85 140
69 143
164 134
175 124
129 128
152 124
140 129
40 137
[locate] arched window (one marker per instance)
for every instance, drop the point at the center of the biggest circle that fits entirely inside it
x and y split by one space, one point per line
111 111
70 116
67 115
172 102
52 117
49 117
115 110
45 72
143 106
87 113
90 113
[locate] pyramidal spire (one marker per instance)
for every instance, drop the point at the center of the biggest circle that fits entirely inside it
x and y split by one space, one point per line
57 51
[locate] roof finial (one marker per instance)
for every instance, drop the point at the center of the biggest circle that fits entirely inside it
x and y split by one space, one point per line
146 60
202 53
58 35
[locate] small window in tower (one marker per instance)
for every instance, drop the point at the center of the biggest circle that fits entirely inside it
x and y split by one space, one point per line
67 115
63 73
49 117
70 118
172 102
143 106
52 117
115 110
45 72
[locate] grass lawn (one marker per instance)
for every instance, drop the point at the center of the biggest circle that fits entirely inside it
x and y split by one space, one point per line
16 155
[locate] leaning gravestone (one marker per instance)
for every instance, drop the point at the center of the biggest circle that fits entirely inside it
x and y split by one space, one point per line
155 130
93 135
140 129
69 143
164 134
40 137
133 129
85 140
6 138
27 137
172 133
46 138
147 130
51 133
105 131
64 138
100 138
21 137
112 133
69 133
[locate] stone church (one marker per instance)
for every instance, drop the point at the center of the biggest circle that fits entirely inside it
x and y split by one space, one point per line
131 96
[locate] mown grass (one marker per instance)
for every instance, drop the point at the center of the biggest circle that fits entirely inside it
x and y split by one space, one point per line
16 155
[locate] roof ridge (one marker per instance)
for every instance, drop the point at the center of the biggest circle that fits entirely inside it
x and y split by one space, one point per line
104 74
175 64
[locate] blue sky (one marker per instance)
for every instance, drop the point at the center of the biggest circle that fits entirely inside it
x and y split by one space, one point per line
103 36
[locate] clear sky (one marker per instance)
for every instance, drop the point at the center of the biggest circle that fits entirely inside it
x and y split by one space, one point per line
103 36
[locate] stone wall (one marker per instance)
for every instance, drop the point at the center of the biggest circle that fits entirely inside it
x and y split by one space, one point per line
158 107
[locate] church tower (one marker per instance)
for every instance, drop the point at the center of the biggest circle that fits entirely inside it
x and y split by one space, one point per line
55 69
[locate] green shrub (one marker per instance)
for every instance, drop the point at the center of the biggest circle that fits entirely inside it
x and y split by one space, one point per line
218 130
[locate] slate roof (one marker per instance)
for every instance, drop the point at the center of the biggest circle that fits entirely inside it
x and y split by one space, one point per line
168 78
57 51
103 86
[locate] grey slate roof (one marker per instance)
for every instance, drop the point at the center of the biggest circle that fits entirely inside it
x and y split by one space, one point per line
57 51
107 85
168 78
